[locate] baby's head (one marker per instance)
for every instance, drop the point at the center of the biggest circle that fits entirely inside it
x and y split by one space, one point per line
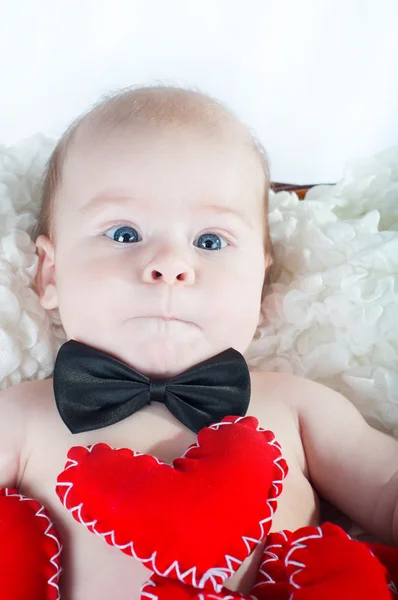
155 205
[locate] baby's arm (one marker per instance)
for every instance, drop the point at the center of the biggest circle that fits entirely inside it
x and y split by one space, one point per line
30 547
12 433
352 465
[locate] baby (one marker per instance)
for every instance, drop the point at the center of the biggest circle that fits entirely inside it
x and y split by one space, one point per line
154 245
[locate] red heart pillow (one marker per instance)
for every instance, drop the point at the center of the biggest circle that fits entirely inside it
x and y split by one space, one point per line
314 563
30 549
311 563
196 520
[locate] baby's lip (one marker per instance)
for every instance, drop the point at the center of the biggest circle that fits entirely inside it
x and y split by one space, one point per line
169 318
176 319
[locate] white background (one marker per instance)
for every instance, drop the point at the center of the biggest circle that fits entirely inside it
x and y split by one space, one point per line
317 80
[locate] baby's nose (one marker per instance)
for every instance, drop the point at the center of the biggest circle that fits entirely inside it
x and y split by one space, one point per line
168 270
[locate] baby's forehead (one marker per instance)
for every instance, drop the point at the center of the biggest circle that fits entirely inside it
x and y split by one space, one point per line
162 110
199 137
229 146
208 171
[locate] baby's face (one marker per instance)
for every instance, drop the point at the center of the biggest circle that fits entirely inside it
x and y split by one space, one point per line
156 225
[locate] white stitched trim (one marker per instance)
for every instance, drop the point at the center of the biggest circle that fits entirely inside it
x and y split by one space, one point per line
146 594
209 596
212 597
212 574
271 557
41 514
299 545
153 596
392 586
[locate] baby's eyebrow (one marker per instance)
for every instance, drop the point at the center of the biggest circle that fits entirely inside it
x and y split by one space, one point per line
100 203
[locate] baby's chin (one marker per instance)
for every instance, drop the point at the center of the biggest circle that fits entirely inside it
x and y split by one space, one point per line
163 349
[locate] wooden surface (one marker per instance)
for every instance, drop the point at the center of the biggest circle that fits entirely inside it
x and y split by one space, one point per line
300 190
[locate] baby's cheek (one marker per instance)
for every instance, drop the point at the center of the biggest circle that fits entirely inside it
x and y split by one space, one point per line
241 284
234 313
79 294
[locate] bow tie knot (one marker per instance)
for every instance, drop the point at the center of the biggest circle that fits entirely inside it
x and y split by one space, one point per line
157 389
93 389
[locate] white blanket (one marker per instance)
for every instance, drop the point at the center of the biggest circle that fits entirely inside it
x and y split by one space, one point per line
332 311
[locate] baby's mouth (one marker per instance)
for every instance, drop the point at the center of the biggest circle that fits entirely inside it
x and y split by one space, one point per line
168 319
164 320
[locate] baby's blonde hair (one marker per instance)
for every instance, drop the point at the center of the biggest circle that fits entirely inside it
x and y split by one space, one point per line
167 107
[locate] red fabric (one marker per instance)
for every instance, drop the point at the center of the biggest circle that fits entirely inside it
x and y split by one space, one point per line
30 549
196 520
322 563
193 523
312 563
387 556
163 588
187 521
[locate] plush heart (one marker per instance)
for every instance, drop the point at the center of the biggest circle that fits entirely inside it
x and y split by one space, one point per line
311 563
321 562
196 520
30 549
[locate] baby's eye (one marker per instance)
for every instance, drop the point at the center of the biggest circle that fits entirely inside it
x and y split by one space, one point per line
210 241
206 241
122 234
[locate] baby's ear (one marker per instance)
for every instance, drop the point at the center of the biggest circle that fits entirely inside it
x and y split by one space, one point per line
45 277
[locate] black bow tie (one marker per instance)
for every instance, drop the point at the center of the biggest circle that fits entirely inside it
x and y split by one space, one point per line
94 390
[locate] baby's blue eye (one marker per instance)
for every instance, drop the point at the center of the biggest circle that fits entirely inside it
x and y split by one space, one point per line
122 234
210 241
207 241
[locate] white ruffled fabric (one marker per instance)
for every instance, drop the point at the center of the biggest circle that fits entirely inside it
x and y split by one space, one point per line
332 313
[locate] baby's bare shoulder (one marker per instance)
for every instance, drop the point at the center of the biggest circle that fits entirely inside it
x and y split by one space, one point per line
14 427
270 404
28 419
27 388
288 398
291 390
24 404
277 390
22 397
